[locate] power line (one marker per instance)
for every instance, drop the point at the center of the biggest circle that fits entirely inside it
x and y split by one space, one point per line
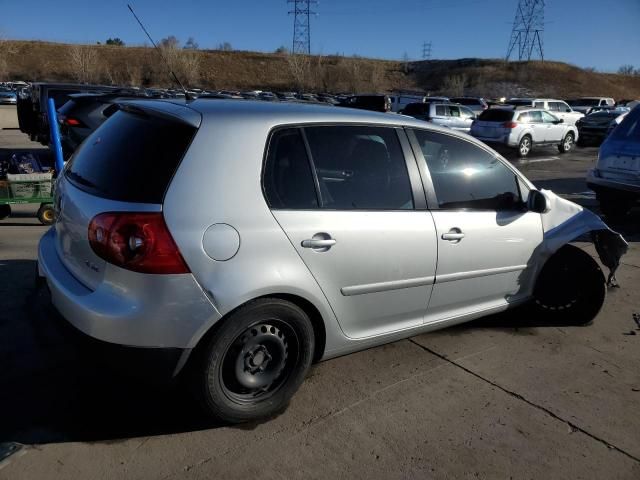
426 51
528 27
302 25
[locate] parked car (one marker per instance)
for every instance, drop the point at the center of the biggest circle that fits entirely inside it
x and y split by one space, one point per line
585 104
456 117
8 98
399 101
616 176
32 111
232 257
557 108
375 103
83 113
477 104
596 126
524 129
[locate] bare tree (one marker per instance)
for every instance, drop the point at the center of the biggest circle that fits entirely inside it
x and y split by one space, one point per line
191 44
83 60
185 63
626 70
454 85
299 67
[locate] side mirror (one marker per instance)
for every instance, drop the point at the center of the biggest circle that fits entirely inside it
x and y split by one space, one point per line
537 202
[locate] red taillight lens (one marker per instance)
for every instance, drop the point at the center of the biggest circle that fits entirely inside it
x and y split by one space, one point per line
73 122
509 124
140 242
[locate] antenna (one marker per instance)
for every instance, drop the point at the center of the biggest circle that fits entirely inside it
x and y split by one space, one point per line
175 77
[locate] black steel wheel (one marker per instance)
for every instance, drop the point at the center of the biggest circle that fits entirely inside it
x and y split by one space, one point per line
5 211
255 361
571 288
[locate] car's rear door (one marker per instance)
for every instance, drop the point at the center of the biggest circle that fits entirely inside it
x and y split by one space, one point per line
486 238
350 200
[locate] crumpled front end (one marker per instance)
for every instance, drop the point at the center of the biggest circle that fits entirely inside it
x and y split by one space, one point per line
566 221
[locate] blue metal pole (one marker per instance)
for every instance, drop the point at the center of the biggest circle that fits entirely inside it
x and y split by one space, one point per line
55 135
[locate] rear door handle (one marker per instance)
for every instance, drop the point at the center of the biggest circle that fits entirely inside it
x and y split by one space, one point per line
314 243
453 235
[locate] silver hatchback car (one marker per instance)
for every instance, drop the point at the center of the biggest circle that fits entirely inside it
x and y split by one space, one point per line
242 241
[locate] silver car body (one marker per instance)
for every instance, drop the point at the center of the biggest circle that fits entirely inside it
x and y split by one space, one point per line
450 115
389 275
544 132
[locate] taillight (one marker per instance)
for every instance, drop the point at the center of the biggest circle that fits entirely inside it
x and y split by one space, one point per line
73 122
140 242
509 124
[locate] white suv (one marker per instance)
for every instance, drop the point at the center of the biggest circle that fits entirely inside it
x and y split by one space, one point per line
524 128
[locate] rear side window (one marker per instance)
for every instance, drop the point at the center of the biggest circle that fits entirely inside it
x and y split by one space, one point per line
524 117
360 168
288 180
496 115
416 109
131 157
441 110
465 176
554 106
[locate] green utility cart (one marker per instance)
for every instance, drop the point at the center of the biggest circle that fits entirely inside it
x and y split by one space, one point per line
28 188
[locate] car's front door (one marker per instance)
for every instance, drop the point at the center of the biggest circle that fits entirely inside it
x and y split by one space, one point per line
344 198
554 131
487 240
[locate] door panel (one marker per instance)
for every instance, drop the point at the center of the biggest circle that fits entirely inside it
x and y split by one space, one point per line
488 267
378 275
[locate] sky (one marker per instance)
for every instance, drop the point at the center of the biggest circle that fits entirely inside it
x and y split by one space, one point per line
604 34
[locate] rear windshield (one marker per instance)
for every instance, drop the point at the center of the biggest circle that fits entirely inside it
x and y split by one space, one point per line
629 129
131 157
496 115
415 109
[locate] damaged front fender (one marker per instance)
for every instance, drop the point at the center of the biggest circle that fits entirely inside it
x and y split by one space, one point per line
565 221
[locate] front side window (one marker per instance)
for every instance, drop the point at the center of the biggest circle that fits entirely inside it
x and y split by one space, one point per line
465 176
548 118
454 111
467 113
564 107
360 168
554 106
441 111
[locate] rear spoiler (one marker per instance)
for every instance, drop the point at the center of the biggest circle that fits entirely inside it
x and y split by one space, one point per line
169 110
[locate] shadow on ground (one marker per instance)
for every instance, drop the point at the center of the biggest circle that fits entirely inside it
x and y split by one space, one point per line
52 391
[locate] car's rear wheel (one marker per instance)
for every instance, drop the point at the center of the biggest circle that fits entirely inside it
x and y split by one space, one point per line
570 289
567 143
614 207
254 363
5 211
524 147
46 214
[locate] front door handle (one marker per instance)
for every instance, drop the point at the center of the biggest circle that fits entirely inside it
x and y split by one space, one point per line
318 243
453 235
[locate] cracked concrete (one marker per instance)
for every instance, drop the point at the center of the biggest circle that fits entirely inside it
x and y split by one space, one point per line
502 397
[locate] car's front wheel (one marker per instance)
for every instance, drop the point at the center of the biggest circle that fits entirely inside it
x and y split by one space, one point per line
570 289
524 147
254 363
567 143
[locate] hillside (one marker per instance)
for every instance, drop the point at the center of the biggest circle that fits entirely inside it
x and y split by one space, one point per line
42 61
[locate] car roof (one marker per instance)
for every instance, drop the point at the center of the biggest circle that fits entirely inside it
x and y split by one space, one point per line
275 113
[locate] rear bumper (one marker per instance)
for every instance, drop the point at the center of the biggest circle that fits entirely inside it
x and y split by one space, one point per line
132 310
597 183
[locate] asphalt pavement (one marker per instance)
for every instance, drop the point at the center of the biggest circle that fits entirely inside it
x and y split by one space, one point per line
503 397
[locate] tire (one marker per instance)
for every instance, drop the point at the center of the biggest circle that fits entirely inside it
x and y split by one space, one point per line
570 289
567 143
524 147
46 214
614 207
254 362
5 211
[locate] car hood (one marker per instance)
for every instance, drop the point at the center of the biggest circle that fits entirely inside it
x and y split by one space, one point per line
566 221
